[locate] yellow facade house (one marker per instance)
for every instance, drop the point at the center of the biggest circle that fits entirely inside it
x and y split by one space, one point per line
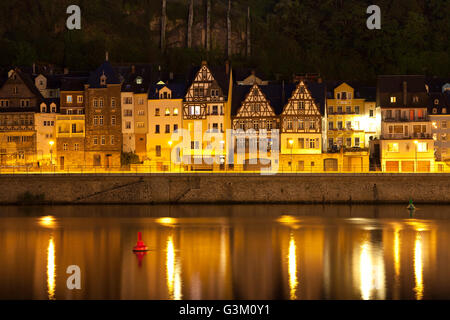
165 105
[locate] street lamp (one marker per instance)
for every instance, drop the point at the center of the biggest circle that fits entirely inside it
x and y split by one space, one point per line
291 142
170 153
417 145
51 143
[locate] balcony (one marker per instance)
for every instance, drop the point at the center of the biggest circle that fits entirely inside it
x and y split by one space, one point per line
401 136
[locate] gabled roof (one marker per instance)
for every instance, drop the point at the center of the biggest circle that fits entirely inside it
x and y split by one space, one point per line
178 90
276 94
394 83
318 93
361 90
107 70
218 72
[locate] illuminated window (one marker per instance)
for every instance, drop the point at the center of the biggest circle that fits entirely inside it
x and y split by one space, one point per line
422 147
95 140
393 147
80 99
393 99
140 125
100 102
103 141
167 112
95 120
113 120
101 120
69 99
65 146
415 99
95 103
76 147
175 111
138 80
113 102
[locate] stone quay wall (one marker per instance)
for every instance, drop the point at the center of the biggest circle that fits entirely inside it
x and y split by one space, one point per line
223 188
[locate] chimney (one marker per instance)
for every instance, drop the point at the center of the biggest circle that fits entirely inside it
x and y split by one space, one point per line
66 70
227 67
405 93
204 63
107 56
171 76
133 69
34 68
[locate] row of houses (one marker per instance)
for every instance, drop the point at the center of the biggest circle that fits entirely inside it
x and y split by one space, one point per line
96 120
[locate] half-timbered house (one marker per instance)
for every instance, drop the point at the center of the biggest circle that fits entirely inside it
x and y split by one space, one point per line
207 108
301 126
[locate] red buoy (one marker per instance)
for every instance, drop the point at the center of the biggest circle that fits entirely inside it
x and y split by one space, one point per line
140 245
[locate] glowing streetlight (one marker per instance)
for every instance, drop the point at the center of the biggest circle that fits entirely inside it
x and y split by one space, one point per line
51 143
291 143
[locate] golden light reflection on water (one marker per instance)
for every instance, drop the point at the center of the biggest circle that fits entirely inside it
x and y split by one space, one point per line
47 221
371 271
173 272
418 267
293 282
51 275
397 252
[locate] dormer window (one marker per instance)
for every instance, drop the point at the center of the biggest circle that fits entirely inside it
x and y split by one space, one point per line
138 80
69 99
415 99
436 102
103 79
53 108
43 107
393 99
434 110
444 110
338 96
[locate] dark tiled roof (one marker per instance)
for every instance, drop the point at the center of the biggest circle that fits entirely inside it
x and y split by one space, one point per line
178 90
391 84
240 74
49 101
73 83
444 102
318 93
108 71
435 84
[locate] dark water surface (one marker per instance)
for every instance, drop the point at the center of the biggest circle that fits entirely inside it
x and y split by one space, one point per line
226 252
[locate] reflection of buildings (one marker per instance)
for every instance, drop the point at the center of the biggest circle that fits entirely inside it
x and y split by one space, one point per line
217 258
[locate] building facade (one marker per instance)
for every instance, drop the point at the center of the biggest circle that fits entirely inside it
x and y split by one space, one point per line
439 108
301 126
406 143
19 102
207 107
103 142
165 105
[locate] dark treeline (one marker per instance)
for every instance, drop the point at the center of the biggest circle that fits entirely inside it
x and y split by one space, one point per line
288 36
